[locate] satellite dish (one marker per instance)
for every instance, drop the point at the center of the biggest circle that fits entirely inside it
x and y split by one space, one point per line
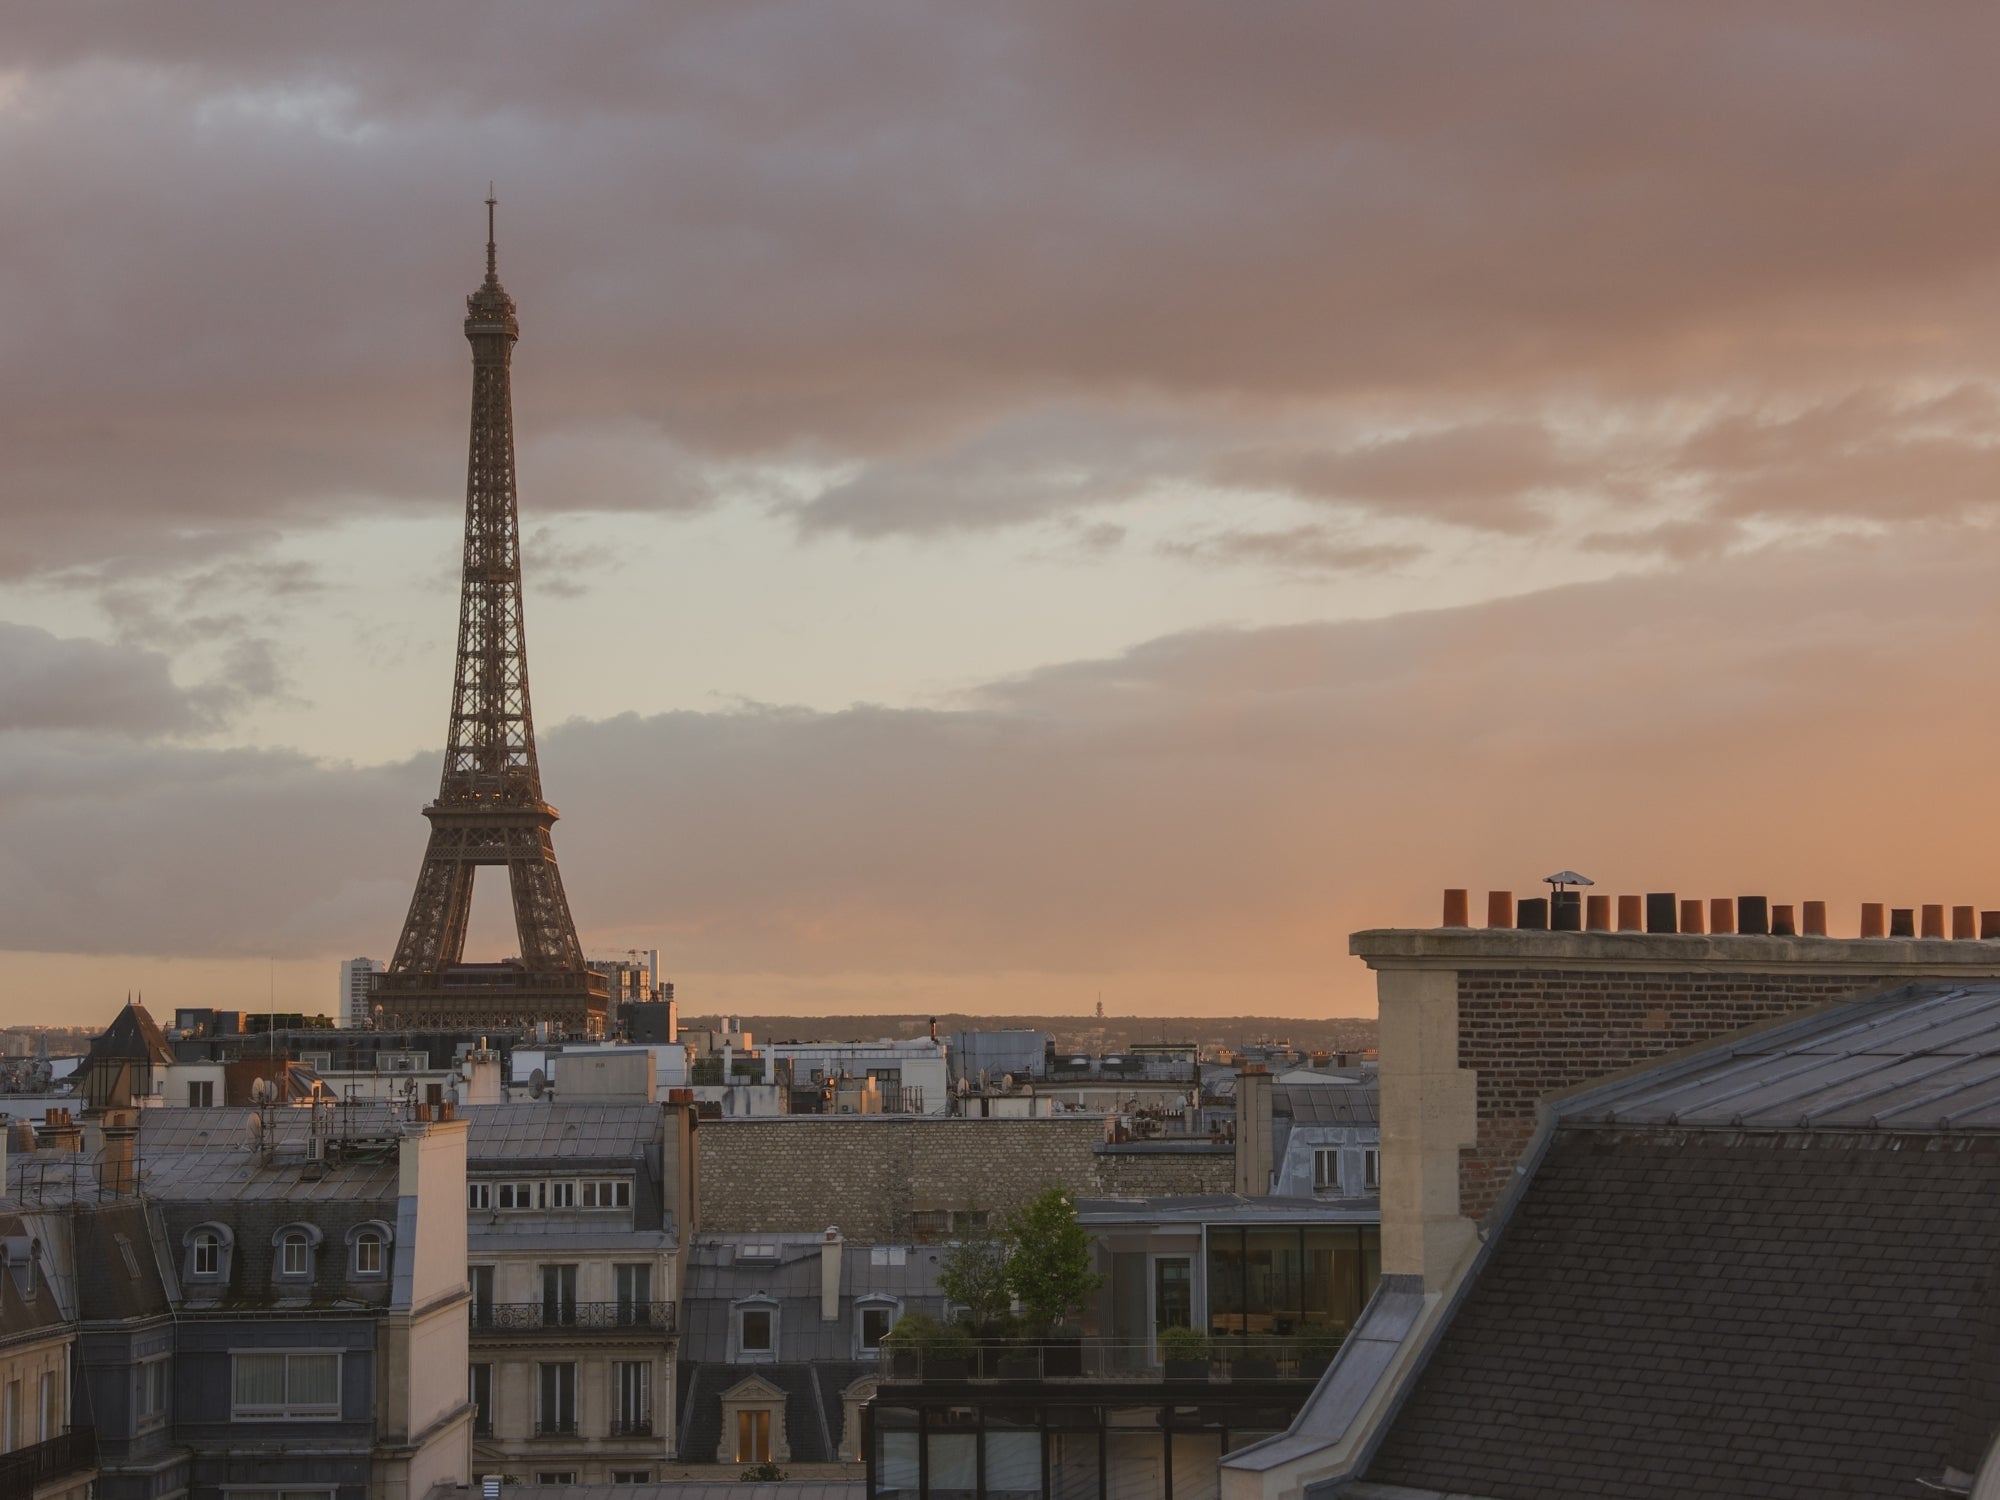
538 1084
260 1090
255 1125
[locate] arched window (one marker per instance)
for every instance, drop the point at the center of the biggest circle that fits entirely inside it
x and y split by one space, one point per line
368 1249
207 1248
293 1248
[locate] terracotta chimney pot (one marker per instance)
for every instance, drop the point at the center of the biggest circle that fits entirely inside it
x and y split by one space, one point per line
1962 926
1692 917
1597 913
1631 914
1933 922
1721 914
1457 909
1499 908
1815 915
1872 925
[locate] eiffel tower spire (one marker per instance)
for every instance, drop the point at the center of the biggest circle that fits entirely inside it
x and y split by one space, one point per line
489 808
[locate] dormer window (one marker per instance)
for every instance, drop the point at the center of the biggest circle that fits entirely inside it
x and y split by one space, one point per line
295 1245
208 1248
368 1250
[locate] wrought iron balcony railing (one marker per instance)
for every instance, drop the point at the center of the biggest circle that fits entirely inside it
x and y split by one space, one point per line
25 1468
638 1427
1220 1359
573 1317
560 1428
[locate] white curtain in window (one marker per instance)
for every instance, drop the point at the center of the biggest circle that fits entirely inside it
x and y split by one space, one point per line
260 1380
314 1380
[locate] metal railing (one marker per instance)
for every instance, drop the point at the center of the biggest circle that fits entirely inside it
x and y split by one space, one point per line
573 1317
1110 1359
639 1427
562 1428
25 1468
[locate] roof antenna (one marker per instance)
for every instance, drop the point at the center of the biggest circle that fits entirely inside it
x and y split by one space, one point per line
492 272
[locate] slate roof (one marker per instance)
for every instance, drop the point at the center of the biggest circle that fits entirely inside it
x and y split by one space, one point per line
1328 1104
814 1409
600 1130
1770 1269
135 1035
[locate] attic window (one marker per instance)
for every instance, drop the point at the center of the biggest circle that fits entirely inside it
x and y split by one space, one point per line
759 1250
294 1246
208 1247
125 1251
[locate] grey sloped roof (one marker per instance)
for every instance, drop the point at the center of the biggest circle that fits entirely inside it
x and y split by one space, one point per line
610 1130
814 1410
1328 1104
133 1035
792 1489
1924 1058
1770 1267
713 1280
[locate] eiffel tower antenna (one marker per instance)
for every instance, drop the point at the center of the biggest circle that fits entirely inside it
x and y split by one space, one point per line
489 808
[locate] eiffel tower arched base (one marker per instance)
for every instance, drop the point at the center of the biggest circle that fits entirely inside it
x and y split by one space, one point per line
494 999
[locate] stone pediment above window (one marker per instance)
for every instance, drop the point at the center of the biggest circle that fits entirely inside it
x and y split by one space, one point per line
753 1388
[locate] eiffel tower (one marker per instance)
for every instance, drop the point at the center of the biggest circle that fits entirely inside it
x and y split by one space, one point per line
489 808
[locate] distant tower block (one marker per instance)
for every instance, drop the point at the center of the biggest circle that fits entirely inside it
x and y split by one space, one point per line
489 808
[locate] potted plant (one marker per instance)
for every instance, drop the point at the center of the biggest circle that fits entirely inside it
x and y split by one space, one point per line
1186 1353
1253 1359
1062 1353
919 1347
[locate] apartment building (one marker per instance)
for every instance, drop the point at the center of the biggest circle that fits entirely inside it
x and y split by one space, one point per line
575 1217
256 1314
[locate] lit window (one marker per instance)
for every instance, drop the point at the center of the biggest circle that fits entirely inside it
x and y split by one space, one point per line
297 1387
753 1436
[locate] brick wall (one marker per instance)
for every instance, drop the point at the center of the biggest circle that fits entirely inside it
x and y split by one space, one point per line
869 1174
1528 1033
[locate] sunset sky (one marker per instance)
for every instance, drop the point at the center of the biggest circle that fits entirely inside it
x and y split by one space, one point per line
1021 502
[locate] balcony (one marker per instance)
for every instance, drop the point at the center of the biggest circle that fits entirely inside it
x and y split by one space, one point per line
642 1427
1226 1361
570 1319
26 1468
562 1427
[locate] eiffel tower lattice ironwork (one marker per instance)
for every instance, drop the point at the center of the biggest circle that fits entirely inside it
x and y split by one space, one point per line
489 808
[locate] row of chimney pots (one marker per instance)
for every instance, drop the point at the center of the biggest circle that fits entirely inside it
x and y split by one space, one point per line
1663 911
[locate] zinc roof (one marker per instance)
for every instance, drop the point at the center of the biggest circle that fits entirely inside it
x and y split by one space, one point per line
1924 1058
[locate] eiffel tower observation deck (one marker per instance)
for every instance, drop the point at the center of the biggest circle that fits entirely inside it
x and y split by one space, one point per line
489 808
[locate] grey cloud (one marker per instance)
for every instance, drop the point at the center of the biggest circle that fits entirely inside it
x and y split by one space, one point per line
48 682
1300 549
1218 799
747 232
